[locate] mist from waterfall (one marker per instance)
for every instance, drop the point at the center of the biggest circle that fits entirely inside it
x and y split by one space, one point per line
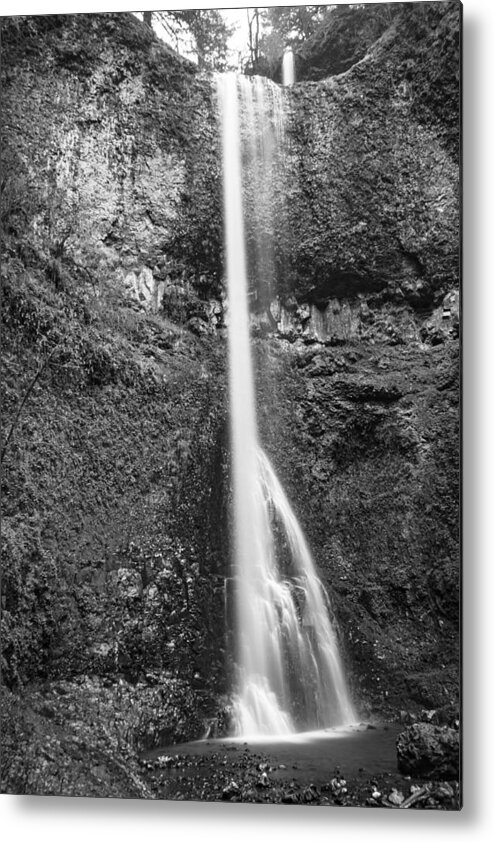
289 675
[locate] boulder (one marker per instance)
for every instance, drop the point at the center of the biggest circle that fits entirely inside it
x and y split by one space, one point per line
429 751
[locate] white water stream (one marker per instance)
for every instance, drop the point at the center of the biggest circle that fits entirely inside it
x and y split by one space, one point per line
289 673
288 67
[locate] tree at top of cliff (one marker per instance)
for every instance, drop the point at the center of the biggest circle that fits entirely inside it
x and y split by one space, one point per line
343 37
200 32
296 23
271 29
328 39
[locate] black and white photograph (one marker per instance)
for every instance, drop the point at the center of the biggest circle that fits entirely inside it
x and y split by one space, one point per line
231 310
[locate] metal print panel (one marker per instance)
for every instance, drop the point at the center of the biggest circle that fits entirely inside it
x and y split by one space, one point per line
230 451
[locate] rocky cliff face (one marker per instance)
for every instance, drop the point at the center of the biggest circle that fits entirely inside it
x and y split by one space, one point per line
365 425
115 473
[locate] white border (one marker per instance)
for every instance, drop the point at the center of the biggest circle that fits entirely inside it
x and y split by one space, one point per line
54 819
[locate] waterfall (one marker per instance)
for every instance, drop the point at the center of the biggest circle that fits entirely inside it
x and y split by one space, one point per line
288 67
289 676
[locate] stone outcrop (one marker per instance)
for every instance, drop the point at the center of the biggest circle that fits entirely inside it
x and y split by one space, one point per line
110 566
373 195
429 751
111 147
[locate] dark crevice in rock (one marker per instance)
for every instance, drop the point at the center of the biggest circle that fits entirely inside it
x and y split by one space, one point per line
342 284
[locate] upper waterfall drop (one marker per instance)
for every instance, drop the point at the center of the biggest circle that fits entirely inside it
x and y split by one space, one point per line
288 67
289 675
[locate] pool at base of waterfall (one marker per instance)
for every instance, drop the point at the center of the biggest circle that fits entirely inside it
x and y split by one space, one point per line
352 766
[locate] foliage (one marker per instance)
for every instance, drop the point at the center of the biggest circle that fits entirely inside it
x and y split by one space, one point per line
432 67
343 37
81 737
274 28
327 40
200 32
58 619
16 202
294 24
345 197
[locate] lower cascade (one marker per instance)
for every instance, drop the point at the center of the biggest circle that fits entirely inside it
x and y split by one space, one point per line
289 675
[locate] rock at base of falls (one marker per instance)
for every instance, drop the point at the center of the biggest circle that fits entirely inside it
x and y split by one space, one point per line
429 751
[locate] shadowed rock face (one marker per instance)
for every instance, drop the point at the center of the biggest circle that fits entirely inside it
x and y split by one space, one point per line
420 44
113 134
429 751
116 478
110 563
344 39
373 189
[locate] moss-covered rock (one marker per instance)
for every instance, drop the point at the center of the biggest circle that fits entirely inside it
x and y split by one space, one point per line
429 751
112 405
372 184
